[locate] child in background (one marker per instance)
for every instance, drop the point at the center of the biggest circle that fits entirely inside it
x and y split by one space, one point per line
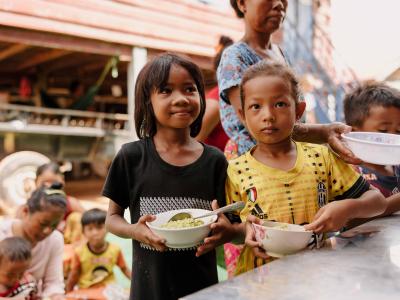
287 181
15 259
93 262
46 175
40 217
167 169
375 107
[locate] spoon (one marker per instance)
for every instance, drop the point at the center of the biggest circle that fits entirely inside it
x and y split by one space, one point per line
228 208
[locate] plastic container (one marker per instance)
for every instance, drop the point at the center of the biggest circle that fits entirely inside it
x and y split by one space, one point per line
374 147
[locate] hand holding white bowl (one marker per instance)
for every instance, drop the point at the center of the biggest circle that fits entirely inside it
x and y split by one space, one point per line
222 232
180 238
143 234
279 239
251 240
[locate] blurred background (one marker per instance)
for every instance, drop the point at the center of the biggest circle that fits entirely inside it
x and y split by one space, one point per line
56 53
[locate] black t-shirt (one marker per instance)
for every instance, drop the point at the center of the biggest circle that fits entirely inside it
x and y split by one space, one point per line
141 180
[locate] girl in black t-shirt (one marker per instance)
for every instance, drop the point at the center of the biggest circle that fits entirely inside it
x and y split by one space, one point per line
167 169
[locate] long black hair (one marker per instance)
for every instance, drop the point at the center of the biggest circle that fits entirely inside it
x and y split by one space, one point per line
153 77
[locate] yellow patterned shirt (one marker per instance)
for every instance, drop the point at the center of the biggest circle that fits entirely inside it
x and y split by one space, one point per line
293 196
97 269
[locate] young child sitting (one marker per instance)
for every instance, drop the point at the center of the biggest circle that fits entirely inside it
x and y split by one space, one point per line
287 181
15 259
93 262
375 107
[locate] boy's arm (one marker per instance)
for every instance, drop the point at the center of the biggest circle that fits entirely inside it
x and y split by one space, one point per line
122 265
74 275
335 215
393 205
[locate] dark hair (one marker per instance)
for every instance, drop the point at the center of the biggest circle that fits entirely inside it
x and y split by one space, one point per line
93 216
224 42
73 86
51 166
268 68
238 12
43 197
15 249
153 77
358 102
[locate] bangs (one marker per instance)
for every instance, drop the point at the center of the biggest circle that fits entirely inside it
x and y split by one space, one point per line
159 74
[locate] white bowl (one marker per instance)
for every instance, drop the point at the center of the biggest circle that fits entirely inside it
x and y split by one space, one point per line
374 147
182 237
277 241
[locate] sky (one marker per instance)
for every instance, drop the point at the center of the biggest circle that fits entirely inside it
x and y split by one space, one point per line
366 34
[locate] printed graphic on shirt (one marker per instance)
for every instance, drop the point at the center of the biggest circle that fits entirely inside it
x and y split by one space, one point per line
258 212
25 290
99 274
322 194
252 194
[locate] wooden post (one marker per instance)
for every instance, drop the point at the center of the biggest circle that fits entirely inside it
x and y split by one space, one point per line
139 59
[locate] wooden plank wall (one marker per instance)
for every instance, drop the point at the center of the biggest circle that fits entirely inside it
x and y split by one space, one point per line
173 25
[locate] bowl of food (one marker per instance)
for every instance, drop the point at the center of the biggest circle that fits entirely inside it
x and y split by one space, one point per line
280 239
374 147
184 233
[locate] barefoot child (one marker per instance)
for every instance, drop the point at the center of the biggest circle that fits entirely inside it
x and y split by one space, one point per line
375 107
94 261
167 169
15 259
287 181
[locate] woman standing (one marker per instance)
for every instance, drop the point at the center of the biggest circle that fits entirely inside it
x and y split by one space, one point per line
262 18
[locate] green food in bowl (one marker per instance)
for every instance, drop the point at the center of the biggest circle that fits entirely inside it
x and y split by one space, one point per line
283 226
184 223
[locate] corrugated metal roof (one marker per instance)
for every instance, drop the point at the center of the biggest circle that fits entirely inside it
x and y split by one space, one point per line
172 25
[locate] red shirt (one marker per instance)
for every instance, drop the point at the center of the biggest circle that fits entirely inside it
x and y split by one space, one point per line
217 137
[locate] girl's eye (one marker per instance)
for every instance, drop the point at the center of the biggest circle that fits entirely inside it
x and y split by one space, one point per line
165 90
191 89
281 104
